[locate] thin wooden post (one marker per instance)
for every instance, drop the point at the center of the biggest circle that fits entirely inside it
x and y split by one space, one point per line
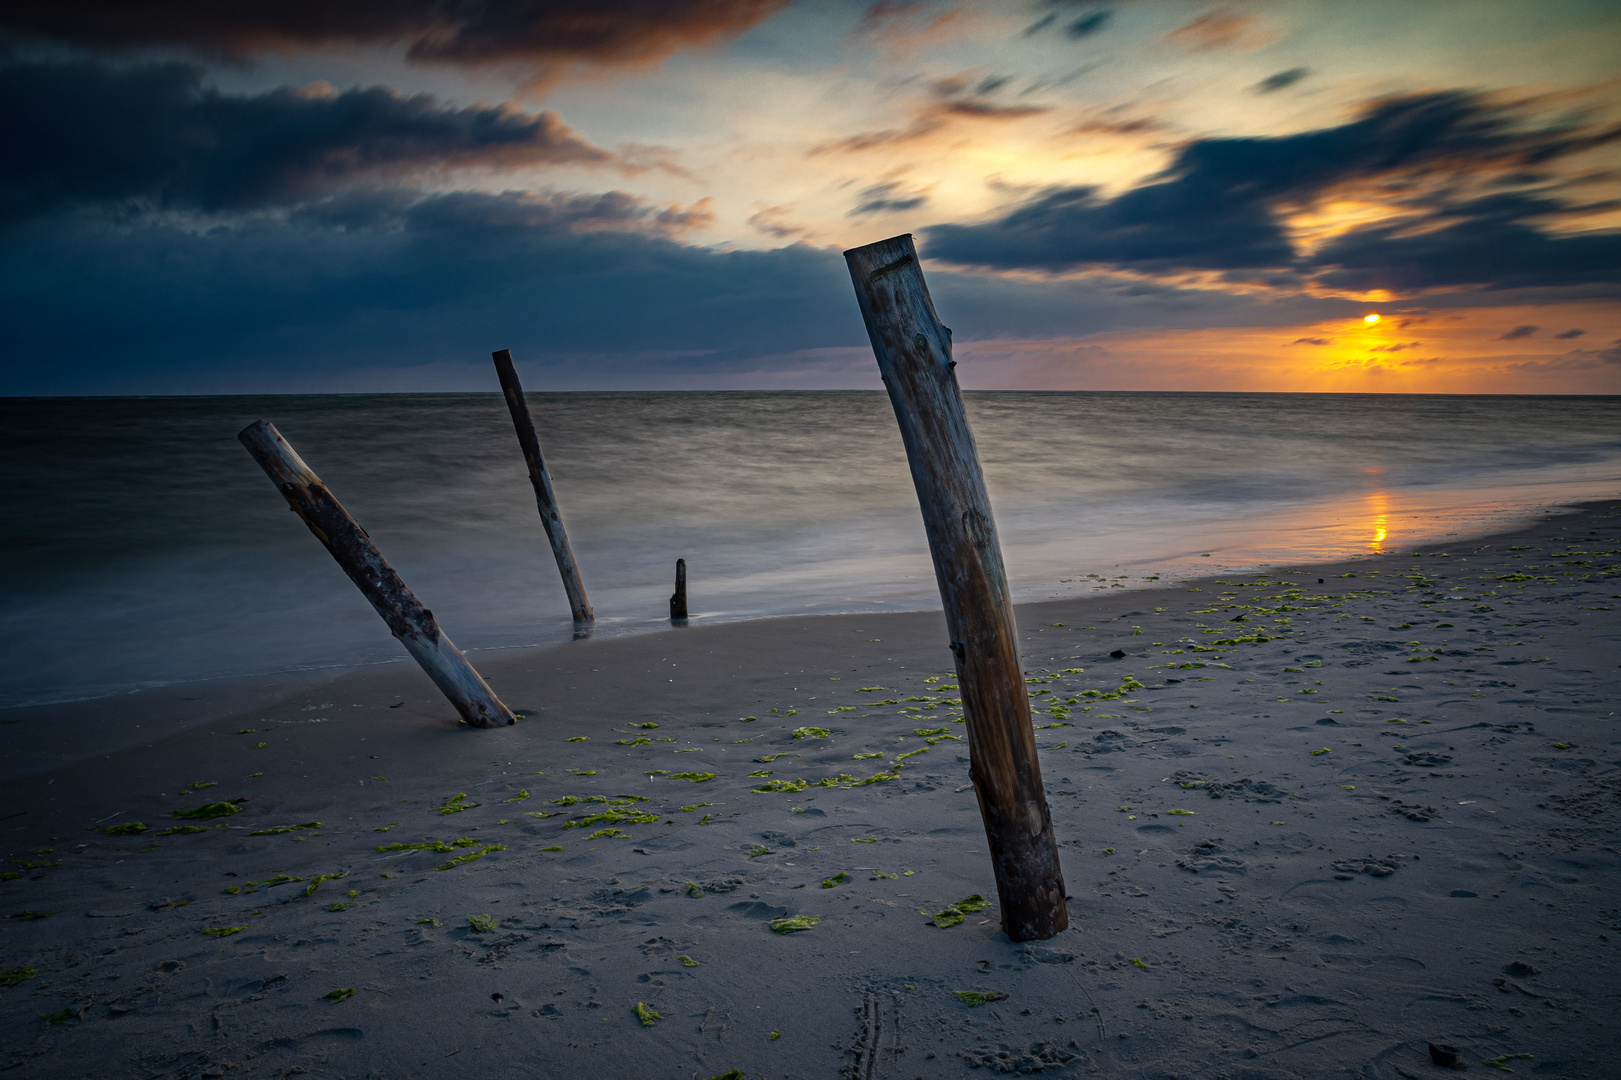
914 357
407 619
550 518
678 602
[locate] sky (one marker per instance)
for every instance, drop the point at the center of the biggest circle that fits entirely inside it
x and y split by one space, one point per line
1257 195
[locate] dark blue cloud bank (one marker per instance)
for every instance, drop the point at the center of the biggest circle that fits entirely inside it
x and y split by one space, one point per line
1475 184
158 235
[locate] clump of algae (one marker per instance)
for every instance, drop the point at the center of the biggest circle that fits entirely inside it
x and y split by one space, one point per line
279 829
483 924
127 828
794 924
223 931
342 993
646 1015
954 914
208 811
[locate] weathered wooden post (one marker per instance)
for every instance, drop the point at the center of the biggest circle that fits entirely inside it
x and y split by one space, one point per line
550 519
407 619
914 357
678 602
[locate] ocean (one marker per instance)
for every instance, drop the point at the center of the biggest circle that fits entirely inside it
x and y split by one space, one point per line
144 547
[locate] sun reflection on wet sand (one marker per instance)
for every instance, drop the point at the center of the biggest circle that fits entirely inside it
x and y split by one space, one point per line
1379 511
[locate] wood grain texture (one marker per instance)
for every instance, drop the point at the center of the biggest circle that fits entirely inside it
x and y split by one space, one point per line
914 356
551 519
411 623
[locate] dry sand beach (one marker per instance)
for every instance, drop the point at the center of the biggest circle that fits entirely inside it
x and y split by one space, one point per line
1311 822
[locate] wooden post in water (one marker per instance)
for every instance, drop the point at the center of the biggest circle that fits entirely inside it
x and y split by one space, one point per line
678 602
550 519
914 357
407 619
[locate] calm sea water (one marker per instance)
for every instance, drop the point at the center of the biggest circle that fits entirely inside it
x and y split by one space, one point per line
143 545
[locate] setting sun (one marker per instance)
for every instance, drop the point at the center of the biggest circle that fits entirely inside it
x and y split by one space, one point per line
1370 319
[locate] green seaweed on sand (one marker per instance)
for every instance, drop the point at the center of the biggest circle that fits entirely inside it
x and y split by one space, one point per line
971 998
930 731
429 922
694 806
340 906
279 829
868 756
811 733
258 746
638 741
756 850
208 811
1501 1060
578 738
837 879
695 777
469 856
761 772
251 887
646 1015
16 976
198 785
794 924
687 961
1182 813
554 847
456 804
60 1016
26 914
613 817
483 924
912 753
522 796
342 993
1136 961
694 890
223 931
954 914
385 828
438 846
319 879
127 828
609 834
863 839
1319 753
766 759
730 1074
781 785
542 813
648 724
566 800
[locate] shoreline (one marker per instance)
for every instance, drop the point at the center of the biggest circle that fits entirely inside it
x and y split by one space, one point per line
1276 840
198 701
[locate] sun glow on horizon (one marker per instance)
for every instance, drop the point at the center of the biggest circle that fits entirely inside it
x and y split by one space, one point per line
1370 319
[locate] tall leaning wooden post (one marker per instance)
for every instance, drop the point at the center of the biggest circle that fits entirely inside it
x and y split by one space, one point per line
914 357
550 519
407 619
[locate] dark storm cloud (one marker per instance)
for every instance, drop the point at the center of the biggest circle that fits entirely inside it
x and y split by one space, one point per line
157 136
888 197
1087 25
392 278
1519 332
1220 206
446 31
1281 80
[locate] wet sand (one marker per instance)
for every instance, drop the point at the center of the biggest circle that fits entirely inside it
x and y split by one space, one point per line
1308 827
